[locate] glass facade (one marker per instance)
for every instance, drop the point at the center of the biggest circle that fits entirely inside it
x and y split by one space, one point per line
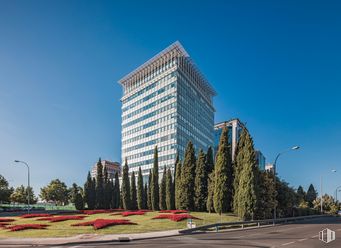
166 103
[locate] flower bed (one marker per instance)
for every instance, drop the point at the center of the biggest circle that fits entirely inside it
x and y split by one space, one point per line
26 226
62 218
128 213
102 223
175 217
97 211
34 215
173 211
6 220
3 224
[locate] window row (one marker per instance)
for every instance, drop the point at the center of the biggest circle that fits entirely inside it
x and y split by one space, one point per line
149 143
150 161
151 151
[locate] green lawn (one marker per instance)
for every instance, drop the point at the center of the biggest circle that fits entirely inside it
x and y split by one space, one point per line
144 224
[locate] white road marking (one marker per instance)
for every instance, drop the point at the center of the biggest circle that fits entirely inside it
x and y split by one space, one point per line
288 243
300 240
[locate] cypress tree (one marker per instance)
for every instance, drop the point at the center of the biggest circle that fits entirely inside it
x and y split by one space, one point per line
107 189
125 187
200 183
145 196
210 192
223 176
149 193
311 195
247 194
169 190
238 165
133 202
117 192
267 195
187 179
163 205
89 194
93 189
140 190
79 202
155 182
301 194
174 180
99 186
178 186
113 194
209 161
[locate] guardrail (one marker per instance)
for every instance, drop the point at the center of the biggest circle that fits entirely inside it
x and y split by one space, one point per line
242 224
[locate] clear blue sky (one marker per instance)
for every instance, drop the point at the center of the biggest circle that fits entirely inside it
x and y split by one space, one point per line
275 65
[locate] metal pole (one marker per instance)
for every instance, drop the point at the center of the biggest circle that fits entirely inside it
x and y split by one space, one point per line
336 192
28 183
275 206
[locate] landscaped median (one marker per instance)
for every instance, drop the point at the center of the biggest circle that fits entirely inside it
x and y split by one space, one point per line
103 222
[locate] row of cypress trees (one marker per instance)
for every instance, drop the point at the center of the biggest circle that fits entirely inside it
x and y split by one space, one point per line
101 192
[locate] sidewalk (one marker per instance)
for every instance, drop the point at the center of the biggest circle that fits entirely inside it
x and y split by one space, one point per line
87 238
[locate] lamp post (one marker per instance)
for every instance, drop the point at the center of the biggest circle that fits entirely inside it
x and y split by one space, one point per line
322 193
28 183
337 189
275 165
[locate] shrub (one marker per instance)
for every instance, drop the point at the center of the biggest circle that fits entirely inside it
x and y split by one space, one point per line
175 217
63 218
27 226
34 215
173 211
128 213
97 211
6 220
102 223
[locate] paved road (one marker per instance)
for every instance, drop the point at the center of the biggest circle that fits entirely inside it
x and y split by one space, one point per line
303 234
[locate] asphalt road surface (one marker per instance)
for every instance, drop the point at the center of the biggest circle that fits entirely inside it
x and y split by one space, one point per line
301 234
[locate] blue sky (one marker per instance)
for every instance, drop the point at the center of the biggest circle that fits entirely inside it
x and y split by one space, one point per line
275 65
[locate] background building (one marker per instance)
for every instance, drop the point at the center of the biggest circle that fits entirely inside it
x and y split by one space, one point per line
269 167
112 168
260 160
234 126
166 102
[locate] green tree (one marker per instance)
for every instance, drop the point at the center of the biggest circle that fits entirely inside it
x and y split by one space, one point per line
73 191
267 195
178 186
162 191
100 198
329 204
200 183
301 194
89 193
169 190
187 178
5 190
149 193
247 192
55 191
79 202
210 192
20 195
155 182
311 195
145 196
140 190
133 202
117 192
126 187
107 189
222 197
287 199
209 161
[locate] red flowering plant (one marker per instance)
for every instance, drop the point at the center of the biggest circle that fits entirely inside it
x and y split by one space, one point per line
102 223
128 213
175 217
174 211
26 226
26 216
62 218
6 220
97 211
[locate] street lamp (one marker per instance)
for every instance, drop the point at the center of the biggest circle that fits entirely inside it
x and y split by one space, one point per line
337 189
275 164
28 183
